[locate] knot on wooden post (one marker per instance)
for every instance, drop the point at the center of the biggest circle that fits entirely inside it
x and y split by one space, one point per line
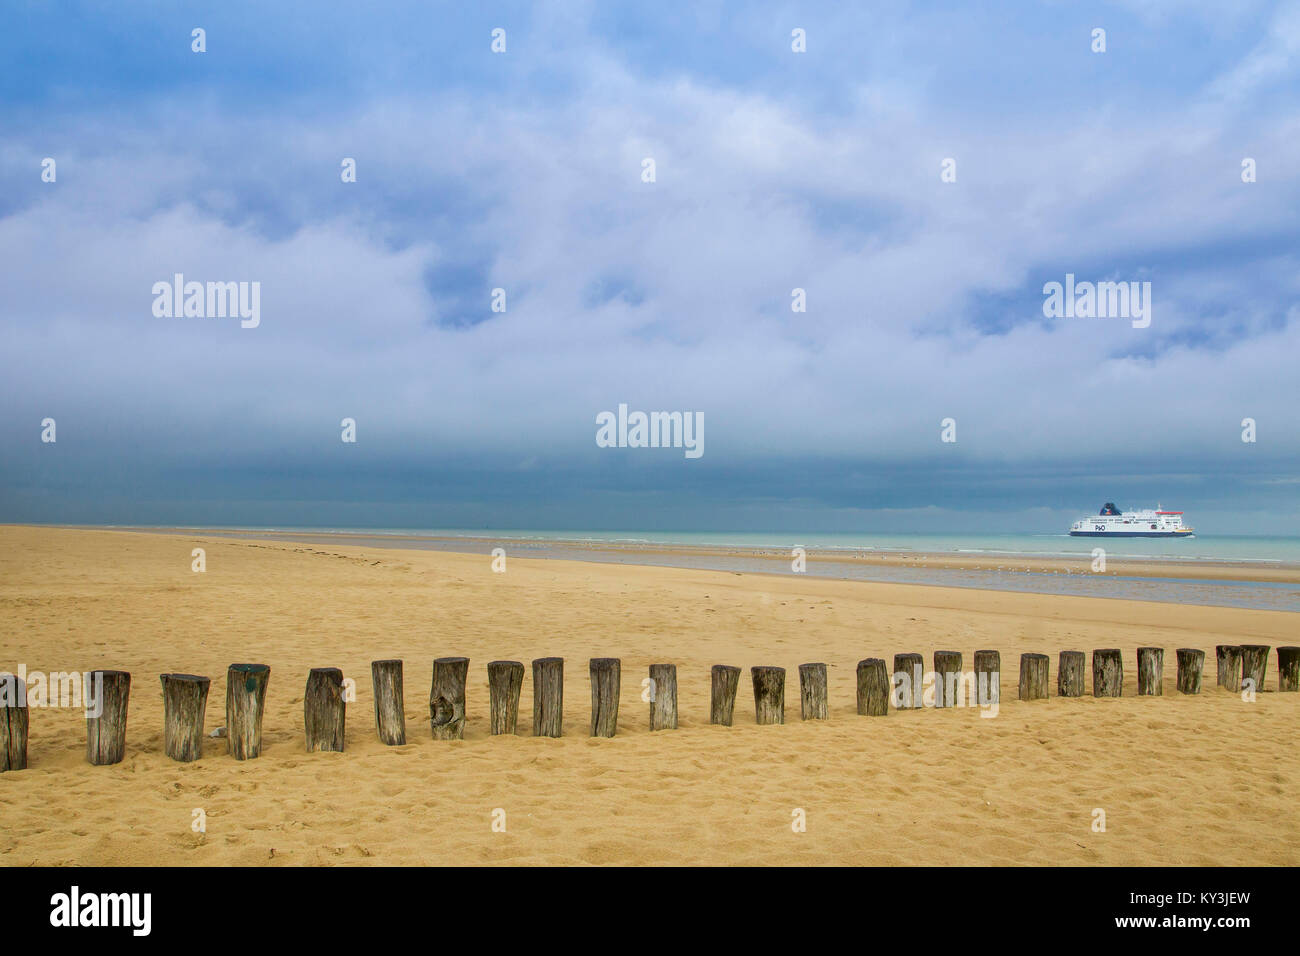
663 706
1070 674
1288 669
722 697
548 697
505 678
873 687
447 698
1151 668
1228 658
390 701
1033 676
1107 672
106 716
769 694
324 710
185 699
908 676
14 718
947 678
1190 664
245 702
606 676
813 703
1254 664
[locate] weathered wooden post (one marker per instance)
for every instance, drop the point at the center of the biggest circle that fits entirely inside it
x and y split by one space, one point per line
1151 671
390 701
245 701
1288 669
947 678
185 699
605 673
769 694
1070 674
873 687
1229 660
106 715
548 697
813 704
1254 662
1033 676
324 710
907 680
722 699
1107 672
14 717
663 706
1190 663
988 677
505 678
447 698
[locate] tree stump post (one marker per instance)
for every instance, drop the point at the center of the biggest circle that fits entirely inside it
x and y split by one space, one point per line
873 687
1254 663
1151 671
1288 669
548 697
14 721
185 700
1107 672
988 677
1033 676
106 730
447 698
390 701
722 698
769 694
813 703
1228 657
947 678
245 702
663 708
505 678
907 679
1190 663
324 710
605 673
1070 674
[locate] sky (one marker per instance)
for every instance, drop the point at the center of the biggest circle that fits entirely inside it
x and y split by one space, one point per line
774 170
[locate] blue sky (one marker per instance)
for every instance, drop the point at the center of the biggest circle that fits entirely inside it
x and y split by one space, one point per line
775 170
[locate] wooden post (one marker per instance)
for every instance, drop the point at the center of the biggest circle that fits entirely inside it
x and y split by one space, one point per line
1107 673
245 701
1254 662
873 687
722 700
1151 671
1229 661
1190 663
663 706
947 678
505 678
1033 676
390 701
988 677
769 694
1288 669
324 710
447 698
185 699
13 723
1069 674
605 672
106 731
907 680
813 704
548 696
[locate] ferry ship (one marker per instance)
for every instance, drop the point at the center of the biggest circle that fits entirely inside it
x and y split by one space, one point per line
1112 523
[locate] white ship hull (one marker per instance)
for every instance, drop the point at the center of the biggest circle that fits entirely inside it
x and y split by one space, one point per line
1112 523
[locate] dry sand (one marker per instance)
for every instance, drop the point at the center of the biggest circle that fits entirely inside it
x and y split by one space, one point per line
1182 780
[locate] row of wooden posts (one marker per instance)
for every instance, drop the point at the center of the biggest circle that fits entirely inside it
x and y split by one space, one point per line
185 695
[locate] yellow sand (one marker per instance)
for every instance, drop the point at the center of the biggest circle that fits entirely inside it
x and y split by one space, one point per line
1182 780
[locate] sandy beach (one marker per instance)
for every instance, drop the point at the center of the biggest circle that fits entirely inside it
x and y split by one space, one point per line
1209 779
